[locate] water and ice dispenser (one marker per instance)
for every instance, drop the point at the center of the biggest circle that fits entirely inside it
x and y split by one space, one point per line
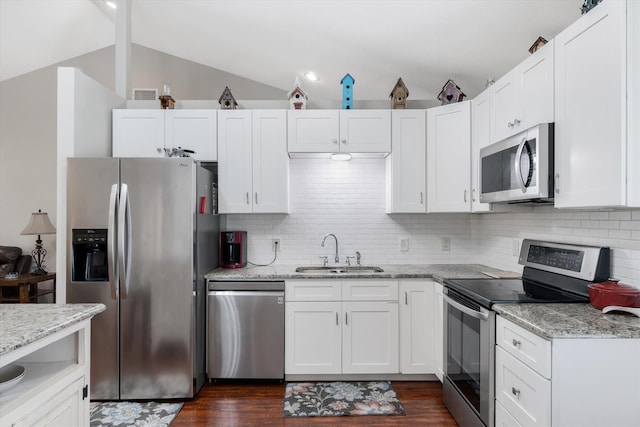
89 249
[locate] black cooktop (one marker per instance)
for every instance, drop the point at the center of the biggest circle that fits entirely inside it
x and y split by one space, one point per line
487 292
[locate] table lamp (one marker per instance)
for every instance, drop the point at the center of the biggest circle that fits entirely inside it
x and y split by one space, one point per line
39 224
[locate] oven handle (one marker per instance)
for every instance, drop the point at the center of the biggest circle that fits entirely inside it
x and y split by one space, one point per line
466 310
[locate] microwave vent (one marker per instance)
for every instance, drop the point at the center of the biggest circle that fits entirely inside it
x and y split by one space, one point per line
145 94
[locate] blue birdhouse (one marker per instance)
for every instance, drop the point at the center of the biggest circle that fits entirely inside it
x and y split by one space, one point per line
347 92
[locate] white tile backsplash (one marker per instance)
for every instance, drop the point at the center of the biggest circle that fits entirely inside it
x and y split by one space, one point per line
348 200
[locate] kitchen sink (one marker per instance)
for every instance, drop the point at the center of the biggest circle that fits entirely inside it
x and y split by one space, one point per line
339 270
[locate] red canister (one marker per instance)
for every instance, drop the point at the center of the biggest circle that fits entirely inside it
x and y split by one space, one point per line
613 293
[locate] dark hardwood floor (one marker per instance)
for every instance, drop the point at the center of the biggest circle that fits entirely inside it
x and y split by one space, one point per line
242 404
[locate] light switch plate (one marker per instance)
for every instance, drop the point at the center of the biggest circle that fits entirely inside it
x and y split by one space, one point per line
446 244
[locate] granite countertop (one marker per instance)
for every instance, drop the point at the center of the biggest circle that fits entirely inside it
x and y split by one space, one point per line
438 272
22 324
553 321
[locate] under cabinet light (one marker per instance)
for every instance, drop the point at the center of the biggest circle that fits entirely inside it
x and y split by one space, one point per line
341 156
111 4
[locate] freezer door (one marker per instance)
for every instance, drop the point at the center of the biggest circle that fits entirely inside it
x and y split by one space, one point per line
89 186
157 333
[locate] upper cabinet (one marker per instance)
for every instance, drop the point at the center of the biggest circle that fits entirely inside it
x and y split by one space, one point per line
449 158
480 138
253 167
524 96
406 166
332 131
597 103
146 133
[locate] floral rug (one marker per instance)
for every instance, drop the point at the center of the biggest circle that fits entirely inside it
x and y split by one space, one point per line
138 414
341 398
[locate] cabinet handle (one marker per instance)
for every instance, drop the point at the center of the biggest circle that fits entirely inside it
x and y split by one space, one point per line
473 195
510 124
335 141
516 122
247 197
557 184
515 391
515 342
406 298
337 319
465 196
256 194
344 141
421 198
346 319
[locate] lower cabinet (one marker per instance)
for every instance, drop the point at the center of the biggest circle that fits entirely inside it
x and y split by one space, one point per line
417 327
565 381
66 408
341 327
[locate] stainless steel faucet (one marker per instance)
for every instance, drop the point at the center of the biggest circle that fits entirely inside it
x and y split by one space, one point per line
337 259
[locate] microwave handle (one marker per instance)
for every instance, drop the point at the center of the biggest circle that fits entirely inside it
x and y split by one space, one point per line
521 183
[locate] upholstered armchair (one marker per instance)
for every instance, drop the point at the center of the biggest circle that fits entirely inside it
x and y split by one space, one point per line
13 261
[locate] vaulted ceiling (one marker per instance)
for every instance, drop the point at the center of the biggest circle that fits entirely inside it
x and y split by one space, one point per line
425 42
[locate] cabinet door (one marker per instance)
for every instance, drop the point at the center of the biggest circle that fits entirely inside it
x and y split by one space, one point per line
449 158
313 131
370 338
439 332
506 104
417 327
537 88
66 408
590 96
365 131
406 167
313 341
192 130
235 162
270 161
480 137
138 133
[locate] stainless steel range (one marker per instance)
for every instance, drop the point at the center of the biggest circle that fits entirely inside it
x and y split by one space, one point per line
553 273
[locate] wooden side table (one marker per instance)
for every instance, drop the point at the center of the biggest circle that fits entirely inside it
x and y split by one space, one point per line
28 287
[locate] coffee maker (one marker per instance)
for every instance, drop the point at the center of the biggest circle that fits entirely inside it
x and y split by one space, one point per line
233 249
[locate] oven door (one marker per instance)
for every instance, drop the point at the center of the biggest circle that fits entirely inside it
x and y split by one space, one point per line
469 340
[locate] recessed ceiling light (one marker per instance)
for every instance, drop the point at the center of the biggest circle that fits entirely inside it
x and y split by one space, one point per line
310 75
111 4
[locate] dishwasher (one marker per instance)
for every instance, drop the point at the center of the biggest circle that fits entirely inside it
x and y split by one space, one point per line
245 338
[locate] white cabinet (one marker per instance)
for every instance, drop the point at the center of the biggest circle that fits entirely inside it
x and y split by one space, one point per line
439 332
332 131
449 158
253 166
597 103
146 133
341 327
480 137
566 381
55 388
406 166
524 96
417 327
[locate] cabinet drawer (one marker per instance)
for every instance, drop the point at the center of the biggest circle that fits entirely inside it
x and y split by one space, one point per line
523 393
369 290
504 418
312 290
525 346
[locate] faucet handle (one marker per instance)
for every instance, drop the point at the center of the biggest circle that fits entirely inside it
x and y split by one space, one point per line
349 259
325 260
358 258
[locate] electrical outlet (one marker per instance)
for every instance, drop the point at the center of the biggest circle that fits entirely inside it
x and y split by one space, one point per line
446 244
275 245
516 247
404 245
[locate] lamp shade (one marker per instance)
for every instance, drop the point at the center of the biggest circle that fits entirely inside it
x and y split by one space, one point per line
39 224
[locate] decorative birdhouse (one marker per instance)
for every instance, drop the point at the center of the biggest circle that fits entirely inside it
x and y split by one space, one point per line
227 101
347 92
588 5
166 102
399 95
540 41
297 97
450 93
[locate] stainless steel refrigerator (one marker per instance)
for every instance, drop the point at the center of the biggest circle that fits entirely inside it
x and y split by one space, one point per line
142 233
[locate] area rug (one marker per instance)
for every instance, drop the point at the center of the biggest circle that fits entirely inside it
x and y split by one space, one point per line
341 398
139 414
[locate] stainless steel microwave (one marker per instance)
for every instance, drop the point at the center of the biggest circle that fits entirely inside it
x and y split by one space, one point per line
519 169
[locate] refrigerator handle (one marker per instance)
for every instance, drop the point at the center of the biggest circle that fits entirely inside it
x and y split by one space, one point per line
111 243
124 240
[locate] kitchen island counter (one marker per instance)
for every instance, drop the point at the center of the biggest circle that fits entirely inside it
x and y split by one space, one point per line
437 272
579 320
